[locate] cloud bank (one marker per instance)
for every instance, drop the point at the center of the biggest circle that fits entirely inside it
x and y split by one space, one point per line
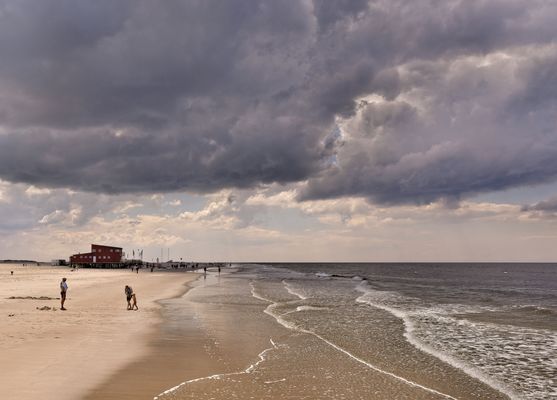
394 101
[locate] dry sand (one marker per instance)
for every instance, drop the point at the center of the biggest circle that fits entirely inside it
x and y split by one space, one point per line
54 354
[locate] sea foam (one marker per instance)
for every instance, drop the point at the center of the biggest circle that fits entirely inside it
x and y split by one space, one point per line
270 310
409 328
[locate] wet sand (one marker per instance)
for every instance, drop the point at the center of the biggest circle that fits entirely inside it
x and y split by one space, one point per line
47 353
197 339
217 343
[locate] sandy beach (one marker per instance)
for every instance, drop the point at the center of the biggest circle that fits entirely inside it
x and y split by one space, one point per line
54 354
202 335
229 336
248 332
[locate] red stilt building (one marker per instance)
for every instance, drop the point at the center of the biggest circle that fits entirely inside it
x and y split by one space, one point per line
100 256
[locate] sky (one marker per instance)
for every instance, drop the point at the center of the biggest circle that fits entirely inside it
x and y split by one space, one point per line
263 130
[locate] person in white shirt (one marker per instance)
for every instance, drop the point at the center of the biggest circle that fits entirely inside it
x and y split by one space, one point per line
63 290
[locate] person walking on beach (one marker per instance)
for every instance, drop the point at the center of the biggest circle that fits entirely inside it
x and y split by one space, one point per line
129 292
63 291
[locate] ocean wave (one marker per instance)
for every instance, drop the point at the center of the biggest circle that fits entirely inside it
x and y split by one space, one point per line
367 297
538 310
271 310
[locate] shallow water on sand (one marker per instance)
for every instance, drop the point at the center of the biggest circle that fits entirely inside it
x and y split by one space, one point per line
300 332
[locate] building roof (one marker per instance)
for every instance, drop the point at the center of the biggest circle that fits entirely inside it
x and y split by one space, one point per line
108 247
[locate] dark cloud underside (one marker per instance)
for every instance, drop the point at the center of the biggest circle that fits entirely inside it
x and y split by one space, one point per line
433 99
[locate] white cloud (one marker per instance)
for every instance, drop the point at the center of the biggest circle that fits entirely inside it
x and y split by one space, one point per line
56 216
33 191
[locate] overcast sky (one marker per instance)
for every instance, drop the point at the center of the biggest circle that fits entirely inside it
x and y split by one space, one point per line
280 130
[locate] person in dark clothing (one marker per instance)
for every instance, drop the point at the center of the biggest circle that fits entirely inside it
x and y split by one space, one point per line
129 292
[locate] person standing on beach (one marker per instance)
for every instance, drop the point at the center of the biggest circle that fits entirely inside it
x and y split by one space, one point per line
128 291
63 291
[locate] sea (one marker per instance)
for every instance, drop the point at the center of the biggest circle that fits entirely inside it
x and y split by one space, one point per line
387 330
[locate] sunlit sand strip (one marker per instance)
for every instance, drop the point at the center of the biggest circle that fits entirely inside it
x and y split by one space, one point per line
291 326
277 381
248 370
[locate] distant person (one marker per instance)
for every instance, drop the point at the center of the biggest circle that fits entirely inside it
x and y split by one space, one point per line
134 302
219 269
129 292
63 291
205 269
12 272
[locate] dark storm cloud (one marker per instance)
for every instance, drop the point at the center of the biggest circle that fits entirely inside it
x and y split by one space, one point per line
201 95
548 206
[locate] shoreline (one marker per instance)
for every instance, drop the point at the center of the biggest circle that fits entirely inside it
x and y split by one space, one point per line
266 335
177 350
131 381
54 354
196 340
254 354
